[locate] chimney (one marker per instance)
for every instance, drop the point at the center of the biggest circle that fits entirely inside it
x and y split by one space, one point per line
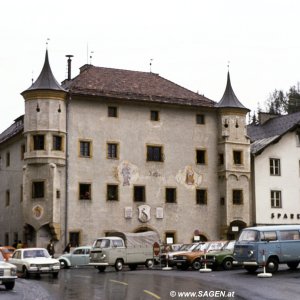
69 66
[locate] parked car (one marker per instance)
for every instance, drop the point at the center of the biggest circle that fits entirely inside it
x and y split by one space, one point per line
35 261
170 254
8 273
7 251
79 256
194 258
222 258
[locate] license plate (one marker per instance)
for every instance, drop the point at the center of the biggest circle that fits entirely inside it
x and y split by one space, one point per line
44 269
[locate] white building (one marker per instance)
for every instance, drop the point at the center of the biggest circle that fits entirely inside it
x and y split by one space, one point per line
118 150
276 169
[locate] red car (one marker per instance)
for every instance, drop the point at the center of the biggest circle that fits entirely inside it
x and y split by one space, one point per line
7 251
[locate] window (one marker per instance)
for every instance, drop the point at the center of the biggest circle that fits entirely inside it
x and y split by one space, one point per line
201 196
7 198
237 157
38 189
289 235
237 197
221 159
139 194
200 119
200 156
112 111
170 195
21 193
6 238
112 150
74 238
8 159
39 142
112 192
275 166
57 194
85 148
154 153
170 237
23 150
57 143
268 236
276 199
84 191
154 115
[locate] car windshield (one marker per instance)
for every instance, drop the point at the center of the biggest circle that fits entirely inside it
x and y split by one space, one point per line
201 247
184 247
249 236
228 246
102 243
35 253
8 250
1 257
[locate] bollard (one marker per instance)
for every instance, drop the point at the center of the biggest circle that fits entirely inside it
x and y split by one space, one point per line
167 268
205 269
264 274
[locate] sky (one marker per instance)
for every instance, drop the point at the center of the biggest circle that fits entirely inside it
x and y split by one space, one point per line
189 42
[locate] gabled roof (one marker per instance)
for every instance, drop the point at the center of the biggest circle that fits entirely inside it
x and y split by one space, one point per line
229 98
133 85
261 136
46 79
12 130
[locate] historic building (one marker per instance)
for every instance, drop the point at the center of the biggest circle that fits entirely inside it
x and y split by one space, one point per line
275 148
119 150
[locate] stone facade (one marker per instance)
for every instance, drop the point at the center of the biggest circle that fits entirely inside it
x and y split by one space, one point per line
155 156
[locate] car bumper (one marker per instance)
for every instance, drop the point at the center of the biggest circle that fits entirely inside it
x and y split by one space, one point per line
98 264
40 270
245 263
8 279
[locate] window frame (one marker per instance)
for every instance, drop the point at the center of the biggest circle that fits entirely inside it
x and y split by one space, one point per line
56 137
275 166
116 187
38 142
202 201
240 157
112 111
240 199
200 119
276 202
150 157
171 195
201 159
142 192
82 193
83 150
154 115
38 189
109 153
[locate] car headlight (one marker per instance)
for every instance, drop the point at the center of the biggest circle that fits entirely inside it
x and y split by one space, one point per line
13 271
56 265
250 253
184 257
103 256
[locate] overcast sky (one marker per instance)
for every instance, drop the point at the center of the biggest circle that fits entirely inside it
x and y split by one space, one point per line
189 41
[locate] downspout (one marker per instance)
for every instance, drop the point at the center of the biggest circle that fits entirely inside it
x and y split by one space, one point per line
67 169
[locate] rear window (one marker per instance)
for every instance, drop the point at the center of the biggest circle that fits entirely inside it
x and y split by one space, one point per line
268 236
289 235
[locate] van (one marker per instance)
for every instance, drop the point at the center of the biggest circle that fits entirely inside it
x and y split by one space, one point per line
268 246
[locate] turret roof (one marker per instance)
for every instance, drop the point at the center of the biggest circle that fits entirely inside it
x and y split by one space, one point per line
46 79
229 98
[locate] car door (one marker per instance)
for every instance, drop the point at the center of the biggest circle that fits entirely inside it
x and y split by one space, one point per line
16 260
87 256
78 257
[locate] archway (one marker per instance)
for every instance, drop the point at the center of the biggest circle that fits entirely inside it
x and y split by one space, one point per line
234 229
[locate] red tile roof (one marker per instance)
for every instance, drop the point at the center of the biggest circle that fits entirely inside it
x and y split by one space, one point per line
133 85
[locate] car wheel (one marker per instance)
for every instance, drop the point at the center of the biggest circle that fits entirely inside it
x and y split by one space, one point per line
101 268
9 285
55 275
196 265
119 265
25 272
63 264
227 264
293 265
149 263
272 265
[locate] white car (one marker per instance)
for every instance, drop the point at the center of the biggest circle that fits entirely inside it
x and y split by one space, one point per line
35 261
7 273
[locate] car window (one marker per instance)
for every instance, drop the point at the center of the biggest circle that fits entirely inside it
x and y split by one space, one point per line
117 243
87 251
17 255
78 251
102 243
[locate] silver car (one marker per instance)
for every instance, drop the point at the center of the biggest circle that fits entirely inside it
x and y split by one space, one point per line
80 256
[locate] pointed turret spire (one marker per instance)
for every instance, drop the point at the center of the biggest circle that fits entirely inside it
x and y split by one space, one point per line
46 79
229 98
